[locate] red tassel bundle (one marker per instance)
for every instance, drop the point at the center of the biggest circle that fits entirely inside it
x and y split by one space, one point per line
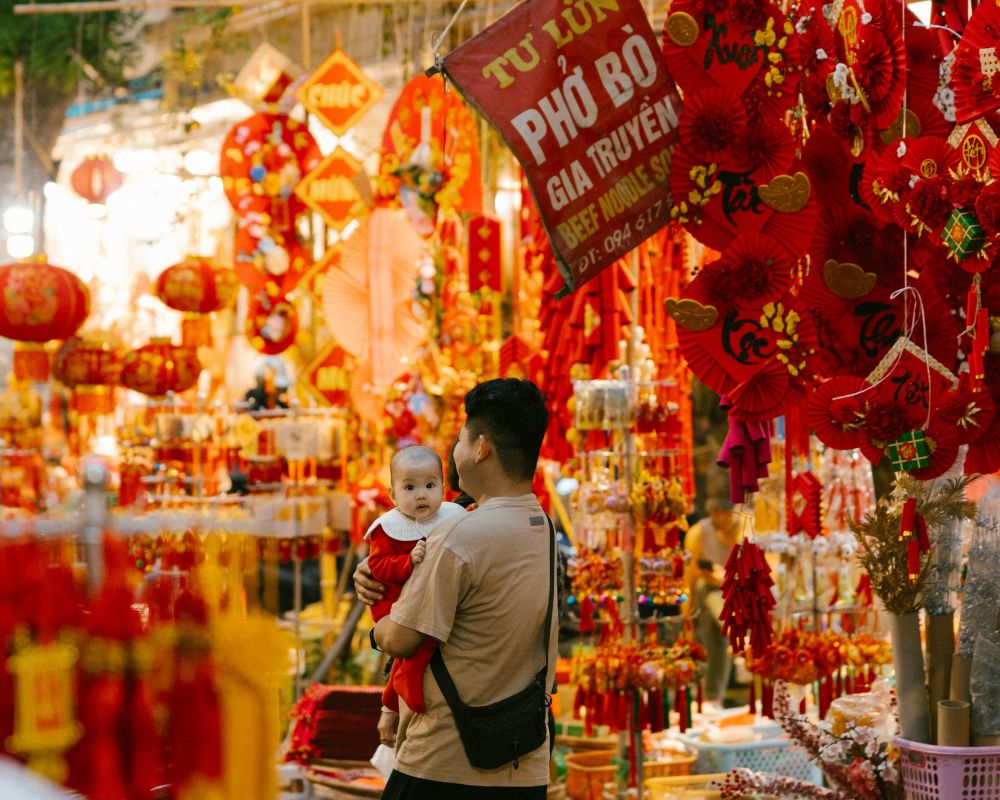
747 598
978 322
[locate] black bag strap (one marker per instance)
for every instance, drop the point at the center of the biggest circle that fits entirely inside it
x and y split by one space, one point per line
440 669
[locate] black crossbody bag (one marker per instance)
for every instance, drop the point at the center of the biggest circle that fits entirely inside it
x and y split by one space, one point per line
503 731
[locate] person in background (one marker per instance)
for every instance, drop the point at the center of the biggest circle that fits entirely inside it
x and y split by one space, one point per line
709 542
482 592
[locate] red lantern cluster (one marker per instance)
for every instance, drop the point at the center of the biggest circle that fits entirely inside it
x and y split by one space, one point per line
160 367
39 302
96 178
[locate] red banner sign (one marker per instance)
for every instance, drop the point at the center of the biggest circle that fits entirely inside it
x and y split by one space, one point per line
485 248
582 96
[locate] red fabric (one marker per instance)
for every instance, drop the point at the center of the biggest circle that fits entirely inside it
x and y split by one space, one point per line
406 679
389 562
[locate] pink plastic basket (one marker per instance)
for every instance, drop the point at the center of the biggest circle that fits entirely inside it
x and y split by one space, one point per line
949 773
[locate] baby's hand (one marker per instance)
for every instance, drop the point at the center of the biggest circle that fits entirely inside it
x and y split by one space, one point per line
417 553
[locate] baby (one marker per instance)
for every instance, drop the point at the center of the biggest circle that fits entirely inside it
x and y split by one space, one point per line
396 545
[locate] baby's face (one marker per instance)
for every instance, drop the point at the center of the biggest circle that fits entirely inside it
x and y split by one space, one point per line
417 490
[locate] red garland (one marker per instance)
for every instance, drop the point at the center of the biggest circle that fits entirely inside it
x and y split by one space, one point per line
747 598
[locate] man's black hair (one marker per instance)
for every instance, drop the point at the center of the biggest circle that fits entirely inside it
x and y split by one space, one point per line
511 414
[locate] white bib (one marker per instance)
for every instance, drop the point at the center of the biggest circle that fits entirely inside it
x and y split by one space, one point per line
402 528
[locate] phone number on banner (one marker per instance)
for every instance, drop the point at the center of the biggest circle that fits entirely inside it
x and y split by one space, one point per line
617 241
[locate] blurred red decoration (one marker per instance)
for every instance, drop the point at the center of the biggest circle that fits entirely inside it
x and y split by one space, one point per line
91 365
160 367
197 287
272 324
95 179
39 302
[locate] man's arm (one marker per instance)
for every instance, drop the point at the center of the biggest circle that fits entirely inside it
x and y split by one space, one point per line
395 639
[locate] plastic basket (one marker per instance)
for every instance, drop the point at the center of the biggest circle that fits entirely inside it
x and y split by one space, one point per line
775 756
949 773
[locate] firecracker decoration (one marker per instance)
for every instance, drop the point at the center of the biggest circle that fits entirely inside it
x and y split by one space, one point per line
747 598
885 535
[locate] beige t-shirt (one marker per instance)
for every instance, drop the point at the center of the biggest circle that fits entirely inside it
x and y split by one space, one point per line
481 591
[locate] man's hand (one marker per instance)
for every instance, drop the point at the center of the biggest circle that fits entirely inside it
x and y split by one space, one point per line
417 553
368 590
388 723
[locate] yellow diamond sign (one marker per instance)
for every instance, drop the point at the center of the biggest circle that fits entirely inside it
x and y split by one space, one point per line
329 189
338 92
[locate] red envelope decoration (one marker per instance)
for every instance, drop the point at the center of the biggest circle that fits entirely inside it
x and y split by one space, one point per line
751 49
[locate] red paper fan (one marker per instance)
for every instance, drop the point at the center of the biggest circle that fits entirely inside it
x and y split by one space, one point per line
834 407
924 54
851 234
764 148
761 396
828 163
975 61
943 440
710 122
928 157
884 186
753 270
932 121
970 413
876 57
984 453
817 47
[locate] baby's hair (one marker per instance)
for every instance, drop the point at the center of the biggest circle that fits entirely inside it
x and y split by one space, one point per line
414 454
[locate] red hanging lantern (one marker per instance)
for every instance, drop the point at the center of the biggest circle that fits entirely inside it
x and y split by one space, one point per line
91 365
197 287
39 302
96 178
160 367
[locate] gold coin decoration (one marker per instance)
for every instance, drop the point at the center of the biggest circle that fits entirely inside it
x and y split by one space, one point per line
787 193
682 29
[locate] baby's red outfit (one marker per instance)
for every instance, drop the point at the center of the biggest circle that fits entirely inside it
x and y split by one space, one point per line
392 538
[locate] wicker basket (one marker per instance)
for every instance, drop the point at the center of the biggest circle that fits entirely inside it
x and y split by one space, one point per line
588 772
686 787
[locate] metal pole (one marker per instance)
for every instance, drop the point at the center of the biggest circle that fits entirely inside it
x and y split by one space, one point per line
95 511
18 130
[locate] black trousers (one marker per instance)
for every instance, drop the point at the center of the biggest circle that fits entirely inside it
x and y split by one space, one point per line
404 787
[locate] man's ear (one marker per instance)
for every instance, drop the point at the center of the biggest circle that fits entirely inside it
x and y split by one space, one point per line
483 449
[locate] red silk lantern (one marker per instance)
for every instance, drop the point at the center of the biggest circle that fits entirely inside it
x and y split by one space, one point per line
96 178
197 287
90 365
39 302
160 367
